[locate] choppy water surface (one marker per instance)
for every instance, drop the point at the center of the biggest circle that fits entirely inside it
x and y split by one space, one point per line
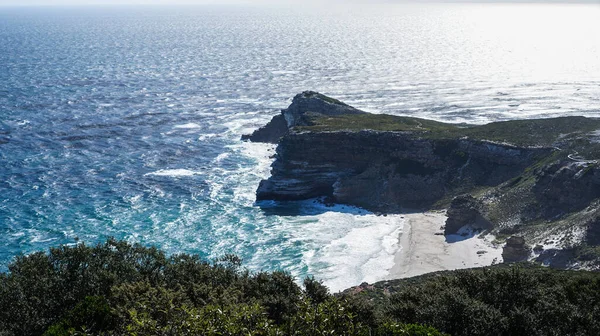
126 122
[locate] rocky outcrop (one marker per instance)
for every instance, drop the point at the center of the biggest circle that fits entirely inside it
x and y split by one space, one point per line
592 236
311 103
305 104
563 187
271 132
515 250
525 173
387 171
465 210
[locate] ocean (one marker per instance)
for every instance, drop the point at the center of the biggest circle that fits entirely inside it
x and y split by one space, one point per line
126 121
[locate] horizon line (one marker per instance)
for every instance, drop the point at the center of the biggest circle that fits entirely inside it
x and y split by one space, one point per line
269 3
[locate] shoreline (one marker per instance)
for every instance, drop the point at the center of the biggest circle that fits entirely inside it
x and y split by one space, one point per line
424 248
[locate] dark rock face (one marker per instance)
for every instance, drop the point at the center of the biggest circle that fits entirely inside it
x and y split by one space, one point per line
387 171
314 102
515 250
465 210
593 232
565 186
556 258
271 132
303 104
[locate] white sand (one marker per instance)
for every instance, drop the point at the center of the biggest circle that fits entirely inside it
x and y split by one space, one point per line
422 251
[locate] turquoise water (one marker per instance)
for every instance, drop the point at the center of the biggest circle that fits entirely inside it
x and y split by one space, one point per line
126 121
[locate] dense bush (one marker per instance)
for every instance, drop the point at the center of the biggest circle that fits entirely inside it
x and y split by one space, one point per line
503 301
117 288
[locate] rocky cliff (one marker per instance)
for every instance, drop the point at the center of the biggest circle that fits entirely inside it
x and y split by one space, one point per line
388 171
304 107
538 178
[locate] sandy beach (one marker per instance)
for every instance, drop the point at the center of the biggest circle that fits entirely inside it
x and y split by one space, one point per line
425 249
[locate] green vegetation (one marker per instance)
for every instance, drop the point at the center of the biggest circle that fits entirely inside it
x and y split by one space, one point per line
120 289
117 288
378 122
499 300
323 97
535 132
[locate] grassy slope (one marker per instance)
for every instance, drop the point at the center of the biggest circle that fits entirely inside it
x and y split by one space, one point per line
534 132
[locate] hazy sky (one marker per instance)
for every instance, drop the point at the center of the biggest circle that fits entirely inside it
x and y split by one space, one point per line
165 2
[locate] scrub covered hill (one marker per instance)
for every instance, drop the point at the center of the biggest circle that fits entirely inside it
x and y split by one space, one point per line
532 132
117 288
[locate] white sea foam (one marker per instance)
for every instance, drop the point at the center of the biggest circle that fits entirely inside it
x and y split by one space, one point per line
352 248
220 158
246 126
187 126
341 245
39 236
245 189
173 173
205 137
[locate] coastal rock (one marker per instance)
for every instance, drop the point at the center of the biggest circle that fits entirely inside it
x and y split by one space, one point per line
271 132
307 103
387 171
565 186
592 237
558 258
523 171
515 250
465 210
310 102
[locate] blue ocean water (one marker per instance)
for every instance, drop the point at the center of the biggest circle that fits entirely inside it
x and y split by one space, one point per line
126 121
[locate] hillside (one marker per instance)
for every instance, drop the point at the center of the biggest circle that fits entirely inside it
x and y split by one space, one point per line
116 288
538 179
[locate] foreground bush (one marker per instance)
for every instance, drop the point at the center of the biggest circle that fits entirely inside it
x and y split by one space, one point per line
117 288
502 301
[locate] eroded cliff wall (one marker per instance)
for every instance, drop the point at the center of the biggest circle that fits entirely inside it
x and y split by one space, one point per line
388 171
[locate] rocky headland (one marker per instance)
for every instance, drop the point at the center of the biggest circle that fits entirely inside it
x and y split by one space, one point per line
537 180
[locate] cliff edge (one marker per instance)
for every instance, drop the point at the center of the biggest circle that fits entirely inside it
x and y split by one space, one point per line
536 178
304 108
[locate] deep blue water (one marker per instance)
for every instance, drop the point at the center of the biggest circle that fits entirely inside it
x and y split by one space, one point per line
126 121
